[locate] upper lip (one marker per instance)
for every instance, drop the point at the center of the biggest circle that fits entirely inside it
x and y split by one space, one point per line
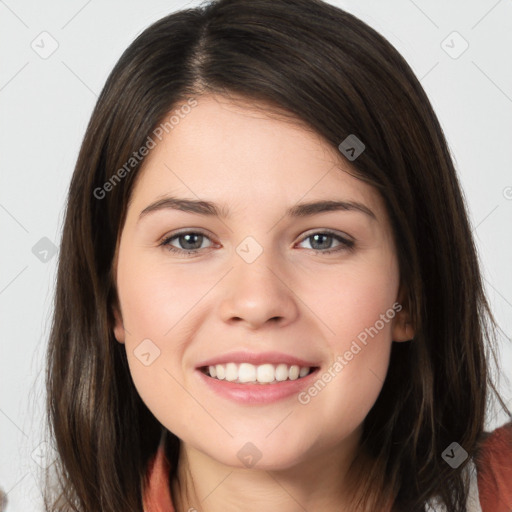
257 359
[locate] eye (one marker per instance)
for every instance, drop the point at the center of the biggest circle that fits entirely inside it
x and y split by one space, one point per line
323 240
191 242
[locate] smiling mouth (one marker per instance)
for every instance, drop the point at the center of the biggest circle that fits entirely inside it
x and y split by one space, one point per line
246 373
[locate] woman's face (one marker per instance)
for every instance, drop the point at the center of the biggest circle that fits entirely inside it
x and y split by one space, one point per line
261 298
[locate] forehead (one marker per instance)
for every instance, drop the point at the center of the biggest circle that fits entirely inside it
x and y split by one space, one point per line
243 154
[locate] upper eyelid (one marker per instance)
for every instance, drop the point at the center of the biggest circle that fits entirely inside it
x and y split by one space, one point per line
327 231
185 232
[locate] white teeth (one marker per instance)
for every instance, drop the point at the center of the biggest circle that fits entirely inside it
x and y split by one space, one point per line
294 372
247 372
221 371
263 374
282 372
231 372
303 372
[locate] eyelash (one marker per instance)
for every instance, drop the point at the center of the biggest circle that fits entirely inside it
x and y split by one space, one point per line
346 245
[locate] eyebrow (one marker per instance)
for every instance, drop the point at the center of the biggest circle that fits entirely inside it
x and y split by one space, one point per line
208 208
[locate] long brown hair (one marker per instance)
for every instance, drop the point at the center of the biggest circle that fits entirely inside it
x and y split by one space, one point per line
326 68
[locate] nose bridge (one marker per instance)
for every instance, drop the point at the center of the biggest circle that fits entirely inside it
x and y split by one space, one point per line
255 290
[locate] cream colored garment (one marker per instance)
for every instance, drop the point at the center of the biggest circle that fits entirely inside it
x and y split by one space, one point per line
473 498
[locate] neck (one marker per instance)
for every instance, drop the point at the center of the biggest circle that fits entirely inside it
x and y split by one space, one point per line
319 482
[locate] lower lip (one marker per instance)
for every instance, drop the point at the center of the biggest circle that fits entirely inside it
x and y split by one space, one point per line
257 393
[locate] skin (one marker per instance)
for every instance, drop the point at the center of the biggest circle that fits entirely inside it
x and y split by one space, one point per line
291 299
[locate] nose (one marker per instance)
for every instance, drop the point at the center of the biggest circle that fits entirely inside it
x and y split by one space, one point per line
258 293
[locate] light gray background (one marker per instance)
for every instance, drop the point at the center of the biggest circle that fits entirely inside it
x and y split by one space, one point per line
45 105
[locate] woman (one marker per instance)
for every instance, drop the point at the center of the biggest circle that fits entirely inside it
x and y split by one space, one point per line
269 367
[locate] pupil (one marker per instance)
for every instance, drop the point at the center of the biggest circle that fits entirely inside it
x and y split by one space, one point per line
187 237
328 237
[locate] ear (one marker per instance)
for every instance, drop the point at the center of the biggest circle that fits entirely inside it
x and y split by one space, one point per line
403 329
119 331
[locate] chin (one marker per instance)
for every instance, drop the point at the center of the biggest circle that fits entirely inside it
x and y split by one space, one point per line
260 455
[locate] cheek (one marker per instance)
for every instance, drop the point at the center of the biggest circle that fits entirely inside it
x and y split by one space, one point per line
350 302
154 298
154 303
357 307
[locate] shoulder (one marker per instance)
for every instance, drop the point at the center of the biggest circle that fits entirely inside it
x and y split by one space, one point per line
494 470
493 463
157 492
